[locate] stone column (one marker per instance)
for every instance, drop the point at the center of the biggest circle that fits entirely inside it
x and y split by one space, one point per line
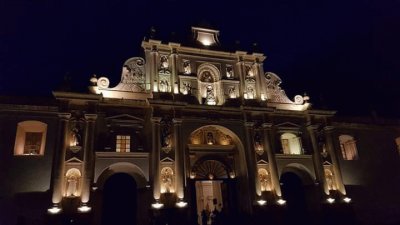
252 164
174 70
255 68
335 161
273 168
155 159
241 75
179 158
318 164
154 68
88 157
59 159
261 80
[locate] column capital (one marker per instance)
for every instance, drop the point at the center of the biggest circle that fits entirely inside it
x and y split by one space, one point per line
64 116
177 121
249 124
90 117
155 119
267 125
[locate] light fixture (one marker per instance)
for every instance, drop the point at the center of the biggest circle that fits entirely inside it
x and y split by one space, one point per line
262 202
330 200
232 175
281 201
157 205
54 210
181 203
84 208
347 199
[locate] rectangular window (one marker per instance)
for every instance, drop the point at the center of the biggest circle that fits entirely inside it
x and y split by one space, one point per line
123 143
33 142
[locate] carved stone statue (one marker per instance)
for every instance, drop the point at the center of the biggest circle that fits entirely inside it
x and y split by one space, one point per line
187 88
167 175
229 72
210 138
164 86
186 67
76 139
210 98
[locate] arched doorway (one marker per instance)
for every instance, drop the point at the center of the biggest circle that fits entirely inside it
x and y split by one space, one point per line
119 200
297 187
215 191
217 161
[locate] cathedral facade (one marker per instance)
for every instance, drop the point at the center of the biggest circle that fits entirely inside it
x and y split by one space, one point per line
193 134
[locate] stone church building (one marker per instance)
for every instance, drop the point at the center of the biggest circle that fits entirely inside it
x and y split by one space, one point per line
193 134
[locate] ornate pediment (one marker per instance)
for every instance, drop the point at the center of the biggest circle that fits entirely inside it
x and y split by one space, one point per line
132 85
288 125
73 160
262 162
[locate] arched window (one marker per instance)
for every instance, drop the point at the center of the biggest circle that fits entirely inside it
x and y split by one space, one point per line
291 144
348 147
30 138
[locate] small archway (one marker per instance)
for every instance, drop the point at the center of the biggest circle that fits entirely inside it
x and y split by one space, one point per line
121 195
119 200
297 188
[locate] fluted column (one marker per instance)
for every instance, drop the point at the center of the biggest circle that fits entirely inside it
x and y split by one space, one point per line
174 70
273 168
261 81
155 160
88 157
252 164
318 164
336 167
258 83
60 158
241 75
179 158
154 69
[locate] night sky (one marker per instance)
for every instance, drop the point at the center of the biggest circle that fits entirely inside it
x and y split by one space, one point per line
345 53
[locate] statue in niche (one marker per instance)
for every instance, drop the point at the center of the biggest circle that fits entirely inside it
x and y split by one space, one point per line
187 88
210 99
166 136
167 178
257 144
249 72
210 138
250 92
76 139
232 92
186 67
164 86
72 182
329 179
229 72
72 178
207 77
263 177
164 64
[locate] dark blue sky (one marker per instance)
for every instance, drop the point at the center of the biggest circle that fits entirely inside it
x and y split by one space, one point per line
345 53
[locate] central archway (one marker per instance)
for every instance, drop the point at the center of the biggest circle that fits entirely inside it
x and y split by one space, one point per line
217 168
119 200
